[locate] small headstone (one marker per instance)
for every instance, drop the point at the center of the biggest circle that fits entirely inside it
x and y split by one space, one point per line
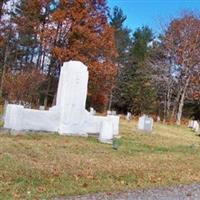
106 132
158 118
115 120
113 112
128 116
145 123
92 111
4 109
42 108
197 129
195 126
190 123
109 112
26 104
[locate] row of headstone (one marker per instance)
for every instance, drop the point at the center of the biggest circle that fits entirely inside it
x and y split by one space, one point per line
145 122
194 125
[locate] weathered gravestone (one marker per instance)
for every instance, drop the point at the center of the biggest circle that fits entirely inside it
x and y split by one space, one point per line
42 108
113 112
68 116
128 116
190 123
195 126
109 112
92 111
145 123
158 119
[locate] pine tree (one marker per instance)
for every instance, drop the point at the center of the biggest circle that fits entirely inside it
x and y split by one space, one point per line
123 44
144 93
122 36
134 91
27 19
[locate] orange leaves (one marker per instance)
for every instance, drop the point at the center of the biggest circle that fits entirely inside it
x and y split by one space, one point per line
99 99
182 40
59 15
194 90
46 34
23 86
79 30
182 45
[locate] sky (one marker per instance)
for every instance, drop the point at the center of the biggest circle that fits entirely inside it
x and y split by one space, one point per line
154 13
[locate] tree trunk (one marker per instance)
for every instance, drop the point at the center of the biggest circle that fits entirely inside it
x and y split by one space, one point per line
168 101
54 99
181 103
174 111
110 101
165 109
47 93
1 8
41 45
43 59
4 66
48 88
6 54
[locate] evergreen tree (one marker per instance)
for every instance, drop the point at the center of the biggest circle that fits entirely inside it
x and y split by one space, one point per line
27 19
144 93
122 36
135 91
123 44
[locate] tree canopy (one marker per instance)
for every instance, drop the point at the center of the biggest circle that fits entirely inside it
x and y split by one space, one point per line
130 70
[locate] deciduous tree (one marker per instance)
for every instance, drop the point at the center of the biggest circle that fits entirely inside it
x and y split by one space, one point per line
182 46
79 30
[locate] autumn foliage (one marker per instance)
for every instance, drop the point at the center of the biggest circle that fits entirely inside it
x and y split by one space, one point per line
138 72
81 32
46 34
182 48
23 87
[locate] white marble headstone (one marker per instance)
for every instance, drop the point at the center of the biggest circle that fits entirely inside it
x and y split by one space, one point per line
109 112
190 123
145 123
92 111
113 112
68 116
128 116
195 126
158 118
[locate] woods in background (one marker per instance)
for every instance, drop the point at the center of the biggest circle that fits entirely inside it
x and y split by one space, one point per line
158 75
41 35
129 71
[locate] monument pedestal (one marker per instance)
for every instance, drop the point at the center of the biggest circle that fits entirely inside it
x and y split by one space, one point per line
68 116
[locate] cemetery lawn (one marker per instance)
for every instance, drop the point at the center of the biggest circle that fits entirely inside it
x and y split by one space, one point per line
37 166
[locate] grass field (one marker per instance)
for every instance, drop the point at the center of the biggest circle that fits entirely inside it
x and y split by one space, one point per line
44 166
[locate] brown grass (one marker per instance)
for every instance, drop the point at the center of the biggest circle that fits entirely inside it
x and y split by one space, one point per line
37 166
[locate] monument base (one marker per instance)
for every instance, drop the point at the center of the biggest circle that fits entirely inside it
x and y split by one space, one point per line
68 116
